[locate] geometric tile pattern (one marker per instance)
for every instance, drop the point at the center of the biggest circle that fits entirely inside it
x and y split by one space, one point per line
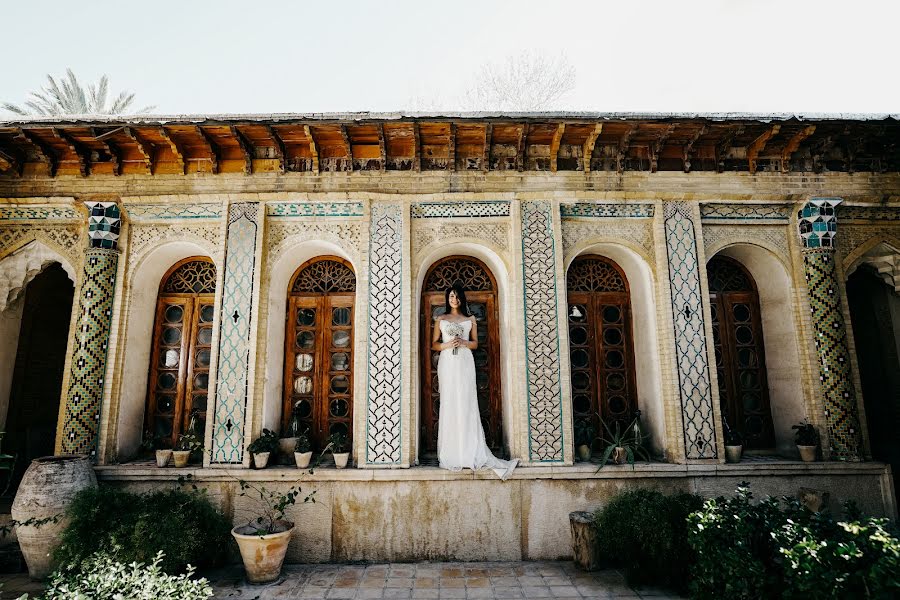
104 221
634 232
690 333
833 353
817 222
755 212
593 209
435 210
870 213
233 366
542 361
84 396
141 213
493 232
21 213
314 209
383 397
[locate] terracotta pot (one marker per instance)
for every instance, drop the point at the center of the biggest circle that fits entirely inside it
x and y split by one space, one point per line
302 459
163 457
181 457
619 456
733 453
584 452
263 555
47 490
260 459
807 453
340 459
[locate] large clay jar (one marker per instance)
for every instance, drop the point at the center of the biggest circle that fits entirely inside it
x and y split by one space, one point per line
263 555
47 490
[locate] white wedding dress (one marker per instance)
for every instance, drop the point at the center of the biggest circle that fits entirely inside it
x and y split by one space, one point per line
461 443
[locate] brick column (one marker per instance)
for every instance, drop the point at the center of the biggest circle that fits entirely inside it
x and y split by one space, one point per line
87 370
818 227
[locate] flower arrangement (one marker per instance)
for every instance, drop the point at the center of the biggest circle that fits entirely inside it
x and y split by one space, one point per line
456 330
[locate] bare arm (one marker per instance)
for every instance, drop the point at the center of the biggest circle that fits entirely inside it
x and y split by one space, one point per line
472 343
436 337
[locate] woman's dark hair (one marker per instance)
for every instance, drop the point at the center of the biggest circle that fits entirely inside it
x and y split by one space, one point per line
461 294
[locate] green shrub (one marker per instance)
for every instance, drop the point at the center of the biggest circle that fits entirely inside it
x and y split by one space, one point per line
135 527
645 533
775 549
102 577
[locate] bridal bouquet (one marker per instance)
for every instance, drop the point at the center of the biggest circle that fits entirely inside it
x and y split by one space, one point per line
456 330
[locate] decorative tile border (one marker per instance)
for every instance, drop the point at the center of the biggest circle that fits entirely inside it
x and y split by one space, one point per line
315 209
28 213
233 367
870 213
690 333
746 212
384 375
542 360
443 210
141 213
84 396
603 210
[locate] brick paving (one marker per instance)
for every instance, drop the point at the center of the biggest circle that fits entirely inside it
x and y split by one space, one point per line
494 580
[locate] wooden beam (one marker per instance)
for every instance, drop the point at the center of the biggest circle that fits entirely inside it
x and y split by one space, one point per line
312 148
10 163
280 152
624 145
210 147
46 153
657 146
587 151
84 160
554 145
758 145
346 137
819 150
724 146
246 149
488 143
174 147
145 149
113 151
792 146
522 146
382 147
688 150
451 150
417 148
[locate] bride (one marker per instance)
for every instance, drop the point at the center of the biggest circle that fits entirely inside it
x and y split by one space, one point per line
461 441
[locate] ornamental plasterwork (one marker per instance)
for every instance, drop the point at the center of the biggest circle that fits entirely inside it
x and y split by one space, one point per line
347 235
745 212
442 210
773 237
143 238
606 210
143 213
639 234
64 239
315 209
852 237
495 234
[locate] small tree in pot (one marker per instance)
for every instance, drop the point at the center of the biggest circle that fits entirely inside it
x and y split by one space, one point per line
340 449
189 443
303 450
807 440
262 447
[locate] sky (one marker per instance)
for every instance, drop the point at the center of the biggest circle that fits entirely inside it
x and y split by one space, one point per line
258 56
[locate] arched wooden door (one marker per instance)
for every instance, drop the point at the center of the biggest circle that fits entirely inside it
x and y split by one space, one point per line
481 294
318 376
740 356
182 349
601 347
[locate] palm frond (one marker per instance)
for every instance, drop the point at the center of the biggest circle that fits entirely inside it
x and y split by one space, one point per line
68 96
15 109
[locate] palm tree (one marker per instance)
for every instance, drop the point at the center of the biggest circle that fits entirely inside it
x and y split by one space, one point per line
68 97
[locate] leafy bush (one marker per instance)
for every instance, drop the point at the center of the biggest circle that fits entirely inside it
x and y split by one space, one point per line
135 527
780 549
102 577
645 533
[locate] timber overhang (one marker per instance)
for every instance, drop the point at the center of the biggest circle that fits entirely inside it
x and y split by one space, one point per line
88 145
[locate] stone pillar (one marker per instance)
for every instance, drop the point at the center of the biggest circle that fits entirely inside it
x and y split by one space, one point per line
691 352
87 369
818 226
237 324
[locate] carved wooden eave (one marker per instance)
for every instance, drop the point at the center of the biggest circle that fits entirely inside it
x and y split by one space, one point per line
525 142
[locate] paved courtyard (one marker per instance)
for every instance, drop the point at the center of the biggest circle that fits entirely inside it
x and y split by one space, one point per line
414 580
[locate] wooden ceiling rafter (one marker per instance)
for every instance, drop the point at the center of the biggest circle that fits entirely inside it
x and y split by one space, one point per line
75 147
313 148
143 148
657 146
45 151
554 145
624 146
280 150
792 145
210 144
522 147
11 163
245 147
687 151
348 147
417 148
758 145
587 151
175 148
451 147
114 152
382 148
488 142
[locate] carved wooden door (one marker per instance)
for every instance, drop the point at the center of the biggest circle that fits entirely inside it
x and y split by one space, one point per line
481 295
740 356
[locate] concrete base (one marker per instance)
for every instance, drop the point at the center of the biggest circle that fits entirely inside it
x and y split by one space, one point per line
427 513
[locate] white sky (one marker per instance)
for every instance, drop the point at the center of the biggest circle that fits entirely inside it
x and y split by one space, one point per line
256 56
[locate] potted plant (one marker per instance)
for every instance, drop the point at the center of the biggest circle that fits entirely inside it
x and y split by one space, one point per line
584 439
188 443
152 443
303 450
262 447
807 440
286 444
339 449
734 444
263 541
622 445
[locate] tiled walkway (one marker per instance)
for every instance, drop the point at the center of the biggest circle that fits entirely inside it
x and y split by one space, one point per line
407 580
